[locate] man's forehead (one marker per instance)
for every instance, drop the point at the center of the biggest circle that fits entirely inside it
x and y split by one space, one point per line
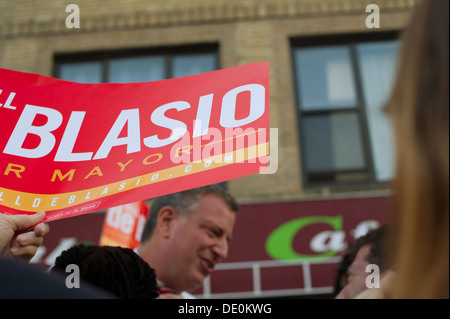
222 217
212 202
213 209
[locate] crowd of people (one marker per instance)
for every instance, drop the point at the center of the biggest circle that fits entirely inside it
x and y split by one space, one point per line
188 233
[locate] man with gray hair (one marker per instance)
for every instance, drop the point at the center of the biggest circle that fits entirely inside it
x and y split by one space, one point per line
186 235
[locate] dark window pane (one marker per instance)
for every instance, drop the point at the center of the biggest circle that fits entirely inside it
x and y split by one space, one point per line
136 69
325 78
189 64
82 72
332 143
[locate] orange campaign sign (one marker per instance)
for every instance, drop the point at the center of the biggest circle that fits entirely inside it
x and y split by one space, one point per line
71 148
123 225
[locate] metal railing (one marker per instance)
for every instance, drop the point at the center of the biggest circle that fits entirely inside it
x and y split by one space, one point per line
256 267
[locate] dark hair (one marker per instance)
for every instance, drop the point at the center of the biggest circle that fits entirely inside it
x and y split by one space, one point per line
377 239
115 269
342 275
184 203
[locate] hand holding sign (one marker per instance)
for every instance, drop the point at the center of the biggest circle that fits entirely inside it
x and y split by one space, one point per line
15 241
70 148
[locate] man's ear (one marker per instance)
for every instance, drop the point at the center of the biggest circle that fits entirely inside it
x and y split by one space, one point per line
167 216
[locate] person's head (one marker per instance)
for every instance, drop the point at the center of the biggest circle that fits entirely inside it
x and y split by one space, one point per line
365 250
419 109
187 234
115 269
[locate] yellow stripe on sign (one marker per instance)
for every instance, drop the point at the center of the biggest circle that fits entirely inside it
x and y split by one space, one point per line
32 202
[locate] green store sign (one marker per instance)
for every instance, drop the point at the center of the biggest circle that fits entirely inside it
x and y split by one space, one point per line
279 244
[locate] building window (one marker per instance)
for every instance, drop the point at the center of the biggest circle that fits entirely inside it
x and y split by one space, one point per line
341 89
137 65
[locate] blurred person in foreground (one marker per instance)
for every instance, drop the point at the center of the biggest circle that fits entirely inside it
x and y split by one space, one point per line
419 109
186 235
117 270
20 237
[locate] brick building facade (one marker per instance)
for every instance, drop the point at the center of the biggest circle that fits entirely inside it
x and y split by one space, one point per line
33 32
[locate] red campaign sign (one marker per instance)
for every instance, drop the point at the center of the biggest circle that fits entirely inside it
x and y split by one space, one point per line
70 148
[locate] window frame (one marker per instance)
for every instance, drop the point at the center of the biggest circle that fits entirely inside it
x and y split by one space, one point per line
104 56
349 41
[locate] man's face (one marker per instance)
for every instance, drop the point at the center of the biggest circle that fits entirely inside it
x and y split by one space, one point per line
357 275
200 241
